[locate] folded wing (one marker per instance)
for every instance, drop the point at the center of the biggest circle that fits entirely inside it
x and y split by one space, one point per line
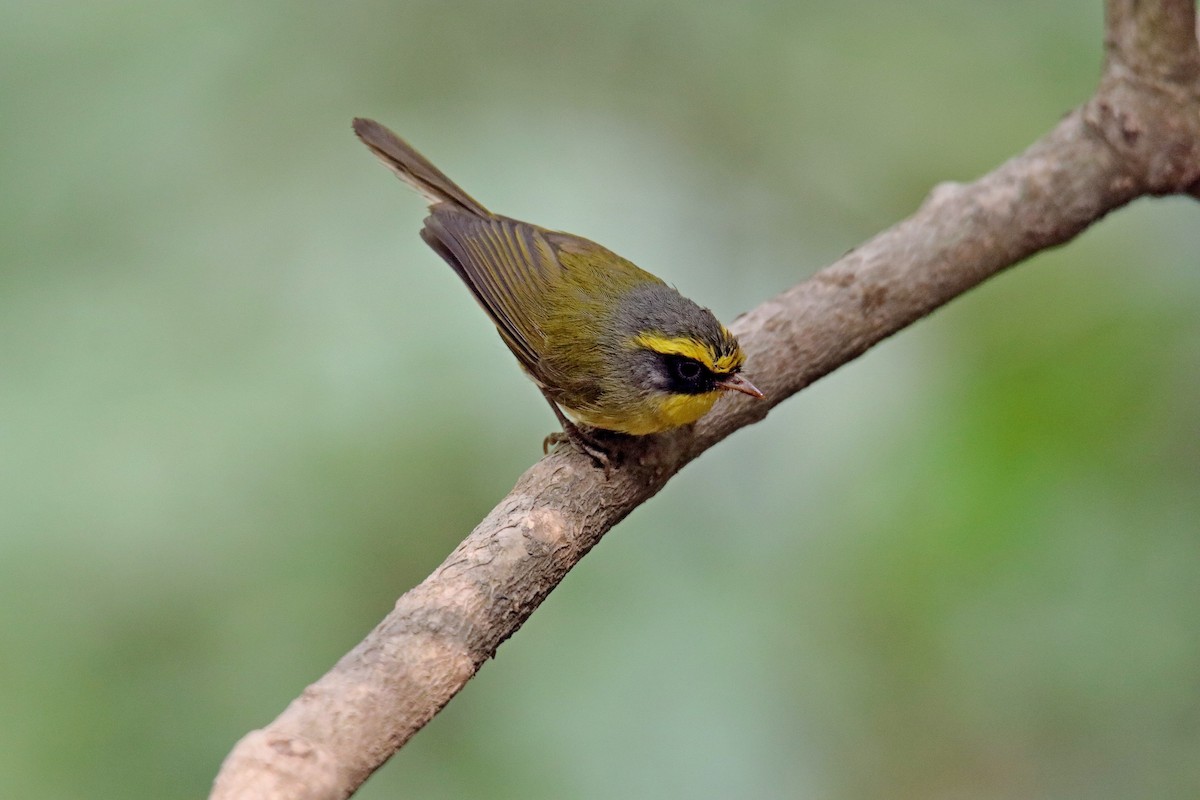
508 265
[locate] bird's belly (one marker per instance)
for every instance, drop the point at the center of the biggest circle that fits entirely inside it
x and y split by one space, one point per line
652 416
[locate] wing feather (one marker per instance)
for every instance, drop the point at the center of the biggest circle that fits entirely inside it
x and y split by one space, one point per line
507 265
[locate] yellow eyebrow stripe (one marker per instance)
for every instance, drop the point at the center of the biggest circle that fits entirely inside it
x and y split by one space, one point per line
688 348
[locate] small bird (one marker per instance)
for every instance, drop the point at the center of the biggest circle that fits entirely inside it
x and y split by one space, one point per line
606 342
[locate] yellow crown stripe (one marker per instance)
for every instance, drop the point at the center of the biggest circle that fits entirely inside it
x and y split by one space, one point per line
726 364
688 348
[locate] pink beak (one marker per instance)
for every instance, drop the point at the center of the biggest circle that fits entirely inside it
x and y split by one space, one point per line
736 383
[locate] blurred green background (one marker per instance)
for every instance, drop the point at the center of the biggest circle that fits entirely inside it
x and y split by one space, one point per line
243 408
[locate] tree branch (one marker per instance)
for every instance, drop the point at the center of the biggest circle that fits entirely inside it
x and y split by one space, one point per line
1139 134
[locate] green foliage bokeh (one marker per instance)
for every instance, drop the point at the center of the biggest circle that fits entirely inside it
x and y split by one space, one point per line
242 407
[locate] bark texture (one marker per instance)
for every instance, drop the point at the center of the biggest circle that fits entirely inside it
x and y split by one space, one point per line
1138 135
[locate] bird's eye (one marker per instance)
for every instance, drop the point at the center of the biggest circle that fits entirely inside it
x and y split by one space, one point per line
688 369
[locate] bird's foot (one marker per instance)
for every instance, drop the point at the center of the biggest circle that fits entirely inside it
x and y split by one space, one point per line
588 444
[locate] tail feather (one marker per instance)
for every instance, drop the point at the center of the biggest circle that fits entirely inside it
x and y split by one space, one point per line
413 168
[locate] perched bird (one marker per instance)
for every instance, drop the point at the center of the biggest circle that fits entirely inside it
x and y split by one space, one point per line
609 344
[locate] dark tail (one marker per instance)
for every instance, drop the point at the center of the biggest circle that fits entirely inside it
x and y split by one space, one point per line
413 168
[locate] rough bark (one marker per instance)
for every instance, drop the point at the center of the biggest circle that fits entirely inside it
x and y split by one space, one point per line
1138 135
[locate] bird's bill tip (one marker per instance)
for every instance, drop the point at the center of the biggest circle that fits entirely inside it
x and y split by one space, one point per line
737 383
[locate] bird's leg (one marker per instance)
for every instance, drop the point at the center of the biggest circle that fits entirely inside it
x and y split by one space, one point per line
571 432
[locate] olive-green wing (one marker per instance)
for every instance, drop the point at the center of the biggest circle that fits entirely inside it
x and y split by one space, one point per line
509 267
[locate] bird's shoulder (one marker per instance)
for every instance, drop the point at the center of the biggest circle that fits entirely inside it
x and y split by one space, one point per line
586 262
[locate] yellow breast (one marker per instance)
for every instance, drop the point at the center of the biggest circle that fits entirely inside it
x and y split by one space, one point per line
652 416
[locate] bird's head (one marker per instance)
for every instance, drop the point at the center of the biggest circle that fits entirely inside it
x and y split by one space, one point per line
681 357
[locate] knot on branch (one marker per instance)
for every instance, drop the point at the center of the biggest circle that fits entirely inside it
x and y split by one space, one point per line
271 764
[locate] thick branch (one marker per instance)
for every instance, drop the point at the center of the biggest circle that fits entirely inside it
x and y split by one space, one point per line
1138 135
